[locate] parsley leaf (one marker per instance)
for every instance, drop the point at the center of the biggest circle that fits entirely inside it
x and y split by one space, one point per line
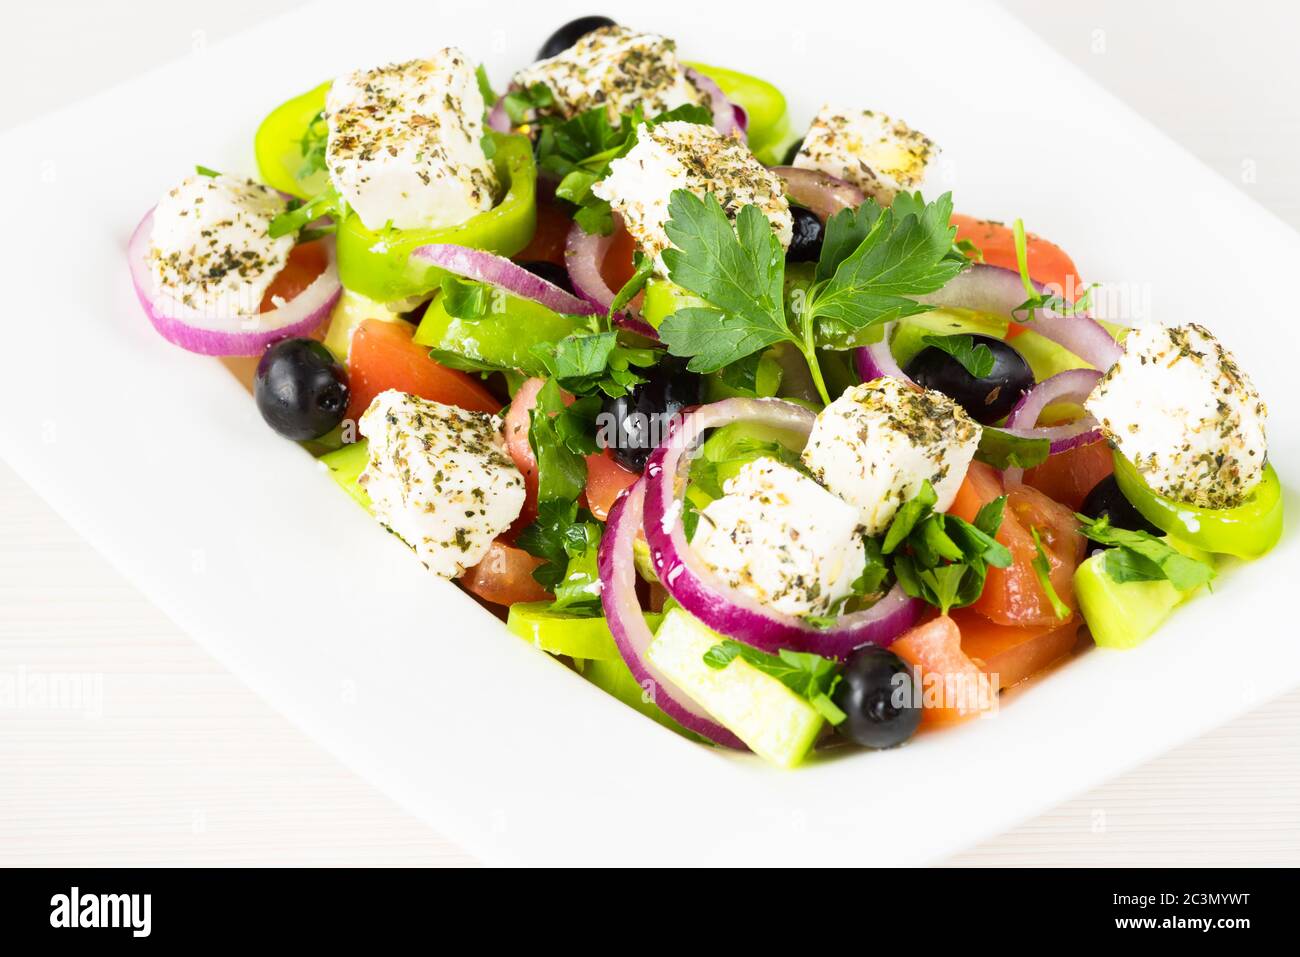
465 298
312 146
579 150
520 104
1141 556
977 360
207 171
326 203
586 364
1043 571
567 538
561 437
940 558
1027 311
644 267
873 260
810 676
1003 450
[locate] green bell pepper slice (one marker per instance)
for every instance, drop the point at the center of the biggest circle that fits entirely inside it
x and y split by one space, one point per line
346 465
278 144
763 103
1247 531
499 339
377 262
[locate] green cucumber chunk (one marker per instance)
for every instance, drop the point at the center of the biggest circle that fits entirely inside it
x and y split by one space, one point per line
345 467
1125 614
562 634
772 720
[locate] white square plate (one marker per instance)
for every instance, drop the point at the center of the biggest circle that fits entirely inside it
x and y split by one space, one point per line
160 459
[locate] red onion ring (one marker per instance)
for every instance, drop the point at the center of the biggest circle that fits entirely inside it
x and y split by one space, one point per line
584 253
499 271
820 192
985 288
724 114
627 622
498 119
716 604
876 361
1074 385
246 334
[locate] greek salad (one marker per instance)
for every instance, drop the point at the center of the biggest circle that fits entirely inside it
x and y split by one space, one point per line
719 407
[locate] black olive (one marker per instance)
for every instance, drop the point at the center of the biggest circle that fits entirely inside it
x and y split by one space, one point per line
986 399
569 34
300 389
792 152
1106 499
879 697
642 416
806 242
555 275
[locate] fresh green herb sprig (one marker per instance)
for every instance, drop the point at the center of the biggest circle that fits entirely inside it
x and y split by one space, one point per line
326 203
315 139
1042 566
873 260
940 558
1027 311
1002 450
1138 556
580 149
810 676
567 538
976 359
595 363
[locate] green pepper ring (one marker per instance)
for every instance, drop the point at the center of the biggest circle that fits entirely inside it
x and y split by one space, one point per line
1247 531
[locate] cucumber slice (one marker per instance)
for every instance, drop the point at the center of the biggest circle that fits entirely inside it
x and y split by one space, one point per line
1125 614
776 723
348 313
345 466
562 634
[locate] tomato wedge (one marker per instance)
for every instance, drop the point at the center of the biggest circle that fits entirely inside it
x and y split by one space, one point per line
1069 476
606 480
306 261
384 357
1014 652
1013 596
547 244
953 688
505 576
618 266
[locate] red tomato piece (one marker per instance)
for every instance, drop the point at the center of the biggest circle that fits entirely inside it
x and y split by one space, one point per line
1014 652
505 576
547 244
953 688
1013 596
606 480
384 357
1068 477
306 261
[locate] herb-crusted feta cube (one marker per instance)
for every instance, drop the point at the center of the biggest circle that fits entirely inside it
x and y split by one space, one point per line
876 444
405 143
691 156
617 68
440 478
1178 407
874 152
210 254
779 537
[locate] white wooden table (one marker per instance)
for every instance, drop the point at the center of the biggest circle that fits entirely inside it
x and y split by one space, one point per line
185 765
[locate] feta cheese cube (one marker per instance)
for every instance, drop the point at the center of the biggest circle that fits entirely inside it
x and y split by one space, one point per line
405 143
617 68
691 156
1178 407
209 250
440 478
779 537
876 444
874 152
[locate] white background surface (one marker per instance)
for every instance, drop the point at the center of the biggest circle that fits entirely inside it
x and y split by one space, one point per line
186 765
